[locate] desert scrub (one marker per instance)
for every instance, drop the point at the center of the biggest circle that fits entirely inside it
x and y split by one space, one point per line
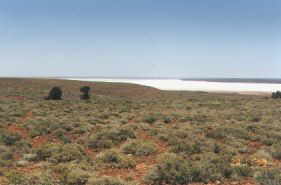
150 119
172 169
6 156
176 170
276 151
74 176
9 138
115 159
181 146
243 171
106 138
15 178
139 148
58 153
106 181
269 177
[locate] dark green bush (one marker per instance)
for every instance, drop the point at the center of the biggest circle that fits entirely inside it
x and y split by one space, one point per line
150 119
55 94
85 90
9 138
276 95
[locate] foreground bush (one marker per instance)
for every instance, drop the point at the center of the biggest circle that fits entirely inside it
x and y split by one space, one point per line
139 148
75 177
269 177
176 170
9 138
15 178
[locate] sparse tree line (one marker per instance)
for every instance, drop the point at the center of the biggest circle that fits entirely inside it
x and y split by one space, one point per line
56 93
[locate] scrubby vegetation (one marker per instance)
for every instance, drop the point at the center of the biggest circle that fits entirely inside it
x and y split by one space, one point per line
128 134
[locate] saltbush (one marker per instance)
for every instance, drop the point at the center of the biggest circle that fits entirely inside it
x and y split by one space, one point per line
114 159
175 170
106 181
9 138
269 177
106 138
58 153
139 148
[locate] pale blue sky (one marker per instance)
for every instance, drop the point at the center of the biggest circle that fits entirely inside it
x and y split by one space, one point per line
144 38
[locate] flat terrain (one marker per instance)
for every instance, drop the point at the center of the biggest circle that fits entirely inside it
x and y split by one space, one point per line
130 134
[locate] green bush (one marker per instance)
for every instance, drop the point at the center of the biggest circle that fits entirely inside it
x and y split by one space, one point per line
75 176
15 178
150 119
106 138
183 147
175 170
9 138
243 171
115 159
61 153
139 148
106 181
172 170
276 153
269 177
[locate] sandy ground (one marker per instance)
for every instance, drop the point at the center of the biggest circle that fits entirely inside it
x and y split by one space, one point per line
216 87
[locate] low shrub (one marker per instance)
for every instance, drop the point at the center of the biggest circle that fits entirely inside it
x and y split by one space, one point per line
276 153
183 147
150 119
114 159
106 138
106 181
244 171
15 178
176 170
172 170
75 176
139 148
269 177
57 153
9 138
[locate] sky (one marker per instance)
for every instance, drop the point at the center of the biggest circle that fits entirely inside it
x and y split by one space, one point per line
141 38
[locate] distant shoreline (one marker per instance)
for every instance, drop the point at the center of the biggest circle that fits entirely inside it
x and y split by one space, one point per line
237 80
199 85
